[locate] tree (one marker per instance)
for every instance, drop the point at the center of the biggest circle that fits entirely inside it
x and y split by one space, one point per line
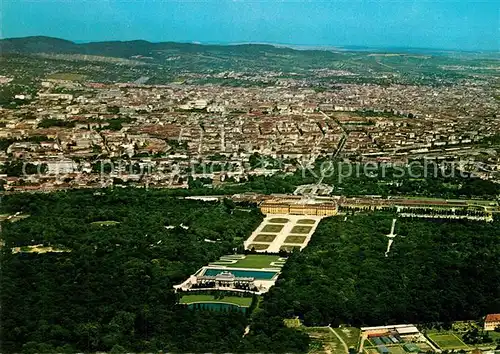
118 349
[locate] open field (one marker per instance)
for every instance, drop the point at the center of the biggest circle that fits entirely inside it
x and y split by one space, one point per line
447 341
301 229
264 238
323 341
279 220
272 228
295 239
240 301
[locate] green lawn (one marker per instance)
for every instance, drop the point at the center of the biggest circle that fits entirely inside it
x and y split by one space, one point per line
272 228
295 239
447 341
224 261
264 238
494 335
240 301
278 220
301 229
256 261
350 335
306 221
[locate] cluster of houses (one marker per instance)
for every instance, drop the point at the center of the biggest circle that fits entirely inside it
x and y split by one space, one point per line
69 126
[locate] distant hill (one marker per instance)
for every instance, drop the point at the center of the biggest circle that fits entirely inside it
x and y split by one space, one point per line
168 61
127 49
158 52
36 45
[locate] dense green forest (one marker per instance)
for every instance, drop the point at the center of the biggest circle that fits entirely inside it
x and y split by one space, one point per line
435 271
113 291
350 179
418 178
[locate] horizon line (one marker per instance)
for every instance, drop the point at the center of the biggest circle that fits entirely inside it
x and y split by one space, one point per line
326 47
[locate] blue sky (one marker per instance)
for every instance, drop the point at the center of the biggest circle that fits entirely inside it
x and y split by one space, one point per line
442 24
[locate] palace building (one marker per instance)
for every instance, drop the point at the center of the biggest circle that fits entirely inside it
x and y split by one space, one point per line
295 208
492 321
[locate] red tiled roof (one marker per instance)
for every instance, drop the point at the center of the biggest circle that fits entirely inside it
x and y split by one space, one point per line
493 317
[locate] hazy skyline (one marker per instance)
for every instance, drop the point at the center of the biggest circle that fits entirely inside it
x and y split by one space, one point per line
442 24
